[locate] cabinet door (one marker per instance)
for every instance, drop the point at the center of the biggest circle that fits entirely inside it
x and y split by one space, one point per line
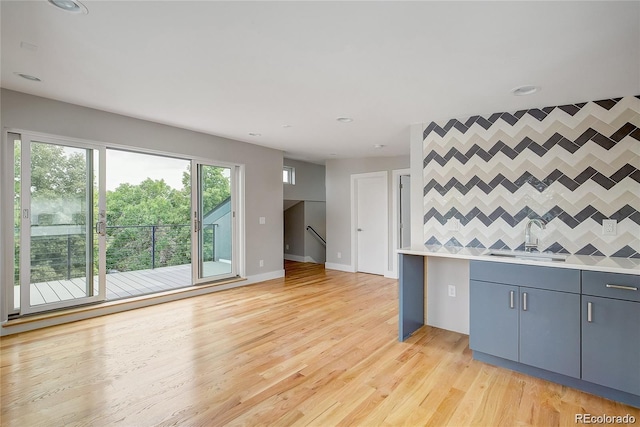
550 330
611 343
493 327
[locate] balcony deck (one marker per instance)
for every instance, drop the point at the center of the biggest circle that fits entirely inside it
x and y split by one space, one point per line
120 285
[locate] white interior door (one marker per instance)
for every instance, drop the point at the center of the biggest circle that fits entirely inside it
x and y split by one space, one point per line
371 223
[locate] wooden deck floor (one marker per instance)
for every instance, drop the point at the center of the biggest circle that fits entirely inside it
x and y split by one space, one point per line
119 285
315 348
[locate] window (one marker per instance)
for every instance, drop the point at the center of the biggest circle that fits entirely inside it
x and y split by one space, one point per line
289 175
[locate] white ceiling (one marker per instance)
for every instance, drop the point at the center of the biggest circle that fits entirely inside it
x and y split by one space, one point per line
234 68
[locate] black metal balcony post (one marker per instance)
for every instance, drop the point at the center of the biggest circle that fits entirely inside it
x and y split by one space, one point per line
153 247
68 256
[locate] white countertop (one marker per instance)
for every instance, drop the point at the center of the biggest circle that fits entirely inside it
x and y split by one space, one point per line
580 262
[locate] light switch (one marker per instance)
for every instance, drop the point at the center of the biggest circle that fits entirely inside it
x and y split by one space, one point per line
263 220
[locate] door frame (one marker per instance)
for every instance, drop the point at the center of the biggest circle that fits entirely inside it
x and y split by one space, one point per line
395 217
237 234
25 236
354 217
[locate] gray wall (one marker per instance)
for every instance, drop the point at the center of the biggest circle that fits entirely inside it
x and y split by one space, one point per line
338 183
309 182
315 216
294 230
263 166
303 245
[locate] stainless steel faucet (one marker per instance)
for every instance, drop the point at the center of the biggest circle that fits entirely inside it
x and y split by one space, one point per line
529 245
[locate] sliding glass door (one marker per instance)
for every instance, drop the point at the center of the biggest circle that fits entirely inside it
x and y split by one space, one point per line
213 218
164 223
60 219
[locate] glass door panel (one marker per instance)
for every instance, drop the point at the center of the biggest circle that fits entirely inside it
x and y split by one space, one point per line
213 223
60 246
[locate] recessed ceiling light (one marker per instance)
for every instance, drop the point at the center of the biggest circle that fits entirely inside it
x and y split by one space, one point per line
254 134
525 90
286 126
344 119
378 146
28 77
332 154
71 6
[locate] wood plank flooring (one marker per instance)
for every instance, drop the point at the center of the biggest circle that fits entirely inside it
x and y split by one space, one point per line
316 348
119 285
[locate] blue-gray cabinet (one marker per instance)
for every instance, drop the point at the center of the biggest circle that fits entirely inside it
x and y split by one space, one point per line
534 324
550 331
611 330
493 319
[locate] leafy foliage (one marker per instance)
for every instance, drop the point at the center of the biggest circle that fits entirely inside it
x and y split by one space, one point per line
148 224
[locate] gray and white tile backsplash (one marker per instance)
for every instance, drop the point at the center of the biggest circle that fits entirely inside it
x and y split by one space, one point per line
571 165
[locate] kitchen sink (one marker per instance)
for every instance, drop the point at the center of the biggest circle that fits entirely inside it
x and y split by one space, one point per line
531 256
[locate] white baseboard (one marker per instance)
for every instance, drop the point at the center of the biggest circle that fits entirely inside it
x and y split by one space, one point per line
256 278
390 274
339 267
297 258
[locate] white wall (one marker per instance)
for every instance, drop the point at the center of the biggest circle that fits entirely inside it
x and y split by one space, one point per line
263 166
309 182
444 311
338 182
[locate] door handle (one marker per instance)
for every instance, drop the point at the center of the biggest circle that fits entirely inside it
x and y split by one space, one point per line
359 229
101 228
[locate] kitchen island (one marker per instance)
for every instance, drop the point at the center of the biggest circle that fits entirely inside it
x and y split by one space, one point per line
570 319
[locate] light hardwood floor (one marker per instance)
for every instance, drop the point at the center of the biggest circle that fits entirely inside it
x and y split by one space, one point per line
316 348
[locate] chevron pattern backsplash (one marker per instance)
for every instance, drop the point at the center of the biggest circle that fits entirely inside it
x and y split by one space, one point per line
571 165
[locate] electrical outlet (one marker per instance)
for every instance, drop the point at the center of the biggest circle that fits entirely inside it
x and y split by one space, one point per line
261 263
452 291
262 220
609 227
286 247
453 224
339 255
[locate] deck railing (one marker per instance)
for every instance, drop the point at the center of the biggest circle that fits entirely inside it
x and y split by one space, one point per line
129 248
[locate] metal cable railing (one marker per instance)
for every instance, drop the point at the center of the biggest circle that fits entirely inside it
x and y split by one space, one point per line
129 248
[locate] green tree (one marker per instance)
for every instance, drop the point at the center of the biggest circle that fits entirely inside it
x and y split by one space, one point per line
146 220
58 175
140 217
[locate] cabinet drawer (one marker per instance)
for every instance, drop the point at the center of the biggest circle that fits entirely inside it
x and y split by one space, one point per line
611 285
533 276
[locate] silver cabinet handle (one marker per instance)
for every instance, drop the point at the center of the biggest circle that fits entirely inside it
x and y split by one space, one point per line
625 288
524 301
589 312
511 299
